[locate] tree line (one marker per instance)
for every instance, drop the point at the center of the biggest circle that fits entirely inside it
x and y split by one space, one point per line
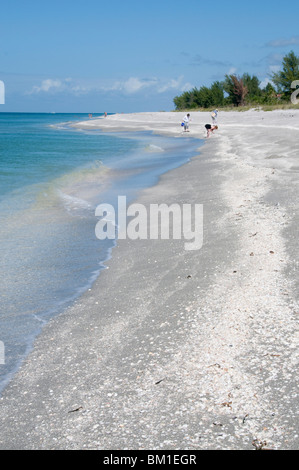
244 90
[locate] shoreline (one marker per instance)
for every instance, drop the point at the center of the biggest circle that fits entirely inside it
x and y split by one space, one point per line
73 191
182 350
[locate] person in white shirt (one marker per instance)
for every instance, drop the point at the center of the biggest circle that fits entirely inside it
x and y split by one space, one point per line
186 121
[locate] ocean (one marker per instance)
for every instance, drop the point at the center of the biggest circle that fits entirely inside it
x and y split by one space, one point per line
52 178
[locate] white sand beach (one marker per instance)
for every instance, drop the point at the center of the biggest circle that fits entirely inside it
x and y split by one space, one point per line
175 349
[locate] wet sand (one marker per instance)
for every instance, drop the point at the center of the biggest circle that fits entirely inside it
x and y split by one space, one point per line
175 349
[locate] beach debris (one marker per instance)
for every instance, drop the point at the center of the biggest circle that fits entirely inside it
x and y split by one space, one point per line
215 365
260 445
272 252
272 355
253 235
159 381
227 404
76 409
189 276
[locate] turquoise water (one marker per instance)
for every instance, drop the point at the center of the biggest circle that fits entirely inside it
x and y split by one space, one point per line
52 177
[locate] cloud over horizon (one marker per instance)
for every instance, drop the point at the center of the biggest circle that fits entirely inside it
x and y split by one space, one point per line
130 86
284 42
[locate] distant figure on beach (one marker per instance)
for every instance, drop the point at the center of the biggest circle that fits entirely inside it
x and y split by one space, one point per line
105 114
186 121
210 129
214 116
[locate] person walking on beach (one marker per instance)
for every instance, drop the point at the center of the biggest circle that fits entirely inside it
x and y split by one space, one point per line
214 116
210 129
186 121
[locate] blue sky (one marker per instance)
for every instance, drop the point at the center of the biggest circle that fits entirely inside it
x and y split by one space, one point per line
117 56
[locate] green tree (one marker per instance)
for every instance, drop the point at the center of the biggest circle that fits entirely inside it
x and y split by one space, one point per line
183 101
217 94
289 73
243 90
204 97
269 94
253 86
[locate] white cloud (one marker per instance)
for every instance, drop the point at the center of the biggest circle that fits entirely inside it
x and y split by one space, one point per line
51 85
133 84
175 84
48 85
129 86
284 42
172 84
232 71
79 90
265 82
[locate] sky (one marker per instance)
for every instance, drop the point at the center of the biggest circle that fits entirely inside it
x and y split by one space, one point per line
96 56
